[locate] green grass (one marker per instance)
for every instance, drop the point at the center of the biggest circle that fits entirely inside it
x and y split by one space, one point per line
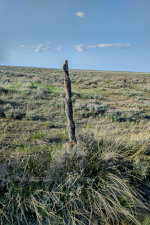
146 221
37 135
104 179
55 89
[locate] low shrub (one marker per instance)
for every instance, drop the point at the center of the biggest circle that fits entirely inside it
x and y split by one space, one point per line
90 108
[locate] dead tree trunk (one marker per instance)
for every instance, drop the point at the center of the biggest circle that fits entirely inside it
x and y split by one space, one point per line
68 105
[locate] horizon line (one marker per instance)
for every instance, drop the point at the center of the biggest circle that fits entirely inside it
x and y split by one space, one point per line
53 68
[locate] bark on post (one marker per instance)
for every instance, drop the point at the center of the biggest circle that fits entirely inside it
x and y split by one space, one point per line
68 105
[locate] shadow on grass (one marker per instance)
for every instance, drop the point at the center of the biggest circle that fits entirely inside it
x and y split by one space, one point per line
55 140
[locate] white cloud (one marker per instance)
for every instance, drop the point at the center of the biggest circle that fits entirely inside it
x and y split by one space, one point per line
81 48
59 48
40 47
50 42
115 45
80 14
22 46
43 47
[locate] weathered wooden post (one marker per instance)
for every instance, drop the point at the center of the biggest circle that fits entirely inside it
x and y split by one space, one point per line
68 105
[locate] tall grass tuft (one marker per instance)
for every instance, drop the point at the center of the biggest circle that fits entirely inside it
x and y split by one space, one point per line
91 184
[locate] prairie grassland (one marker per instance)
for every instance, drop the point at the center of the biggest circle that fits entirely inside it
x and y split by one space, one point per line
105 178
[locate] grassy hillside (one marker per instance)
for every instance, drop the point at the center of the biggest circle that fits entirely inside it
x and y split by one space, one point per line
105 178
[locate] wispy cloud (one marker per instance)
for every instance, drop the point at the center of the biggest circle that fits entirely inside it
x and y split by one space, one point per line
81 48
80 14
50 42
36 48
42 47
59 48
115 45
22 46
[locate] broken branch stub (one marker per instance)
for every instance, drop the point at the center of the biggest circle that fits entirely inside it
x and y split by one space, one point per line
68 105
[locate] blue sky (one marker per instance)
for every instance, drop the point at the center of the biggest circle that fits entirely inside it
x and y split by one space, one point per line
91 34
